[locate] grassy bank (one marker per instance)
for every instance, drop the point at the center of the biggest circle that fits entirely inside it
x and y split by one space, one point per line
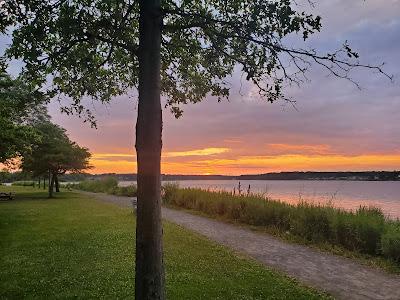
108 185
76 247
364 231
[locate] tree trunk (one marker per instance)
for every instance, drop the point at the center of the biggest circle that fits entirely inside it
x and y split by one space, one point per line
39 183
51 185
56 182
149 251
44 183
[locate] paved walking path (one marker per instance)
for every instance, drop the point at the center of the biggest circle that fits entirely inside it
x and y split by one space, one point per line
341 277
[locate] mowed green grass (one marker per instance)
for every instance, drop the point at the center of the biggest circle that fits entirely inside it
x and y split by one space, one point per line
77 247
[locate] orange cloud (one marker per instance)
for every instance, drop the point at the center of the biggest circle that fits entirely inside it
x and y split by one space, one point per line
197 152
126 162
170 154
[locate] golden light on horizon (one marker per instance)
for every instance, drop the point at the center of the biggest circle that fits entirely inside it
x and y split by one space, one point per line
210 161
197 152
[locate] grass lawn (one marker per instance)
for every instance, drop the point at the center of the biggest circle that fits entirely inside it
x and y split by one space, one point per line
77 247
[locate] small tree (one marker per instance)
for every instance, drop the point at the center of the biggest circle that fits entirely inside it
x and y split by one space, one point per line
54 155
184 50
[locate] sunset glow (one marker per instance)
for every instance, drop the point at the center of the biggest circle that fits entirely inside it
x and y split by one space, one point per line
334 126
212 162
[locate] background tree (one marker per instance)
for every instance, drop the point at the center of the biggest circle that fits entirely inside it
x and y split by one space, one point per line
183 50
18 103
54 155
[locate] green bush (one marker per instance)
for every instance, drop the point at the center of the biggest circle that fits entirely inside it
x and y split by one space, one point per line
23 183
311 222
127 191
391 242
107 185
360 231
365 230
97 186
169 192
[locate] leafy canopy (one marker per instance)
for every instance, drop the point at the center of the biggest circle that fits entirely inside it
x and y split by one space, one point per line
90 48
54 153
20 105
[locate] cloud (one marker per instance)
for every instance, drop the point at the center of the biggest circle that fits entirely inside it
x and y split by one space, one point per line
198 152
292 149
188 153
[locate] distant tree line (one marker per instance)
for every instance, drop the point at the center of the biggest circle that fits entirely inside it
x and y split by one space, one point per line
365 175
362 175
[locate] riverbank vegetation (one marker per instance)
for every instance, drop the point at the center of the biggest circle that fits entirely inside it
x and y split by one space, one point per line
77 247
366 231
108 185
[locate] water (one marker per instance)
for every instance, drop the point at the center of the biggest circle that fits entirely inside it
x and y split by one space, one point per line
344 194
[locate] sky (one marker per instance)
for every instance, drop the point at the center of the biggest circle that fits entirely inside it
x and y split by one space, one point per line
335 126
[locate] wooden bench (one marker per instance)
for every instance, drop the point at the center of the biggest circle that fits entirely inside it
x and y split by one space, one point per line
6 196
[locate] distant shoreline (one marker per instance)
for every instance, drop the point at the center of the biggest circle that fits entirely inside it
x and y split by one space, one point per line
315 176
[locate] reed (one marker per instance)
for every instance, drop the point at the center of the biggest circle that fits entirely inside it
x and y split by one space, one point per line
365 230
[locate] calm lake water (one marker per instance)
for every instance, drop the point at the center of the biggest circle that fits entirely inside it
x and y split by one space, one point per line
345 194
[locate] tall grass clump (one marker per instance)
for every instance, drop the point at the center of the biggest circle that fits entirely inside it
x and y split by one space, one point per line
108 185
97 186
365 230
360 231
127 191
391 242
23 183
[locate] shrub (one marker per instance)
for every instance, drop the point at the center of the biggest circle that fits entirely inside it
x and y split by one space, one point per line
345 233
311 222
97 186
391 242
360 231
370 224
169 192
127 191
107 185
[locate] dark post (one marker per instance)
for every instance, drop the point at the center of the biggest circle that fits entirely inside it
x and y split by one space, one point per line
56 182
51 185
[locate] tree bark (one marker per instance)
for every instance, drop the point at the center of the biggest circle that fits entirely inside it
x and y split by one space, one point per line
149 250
56 183
44 183
51 185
